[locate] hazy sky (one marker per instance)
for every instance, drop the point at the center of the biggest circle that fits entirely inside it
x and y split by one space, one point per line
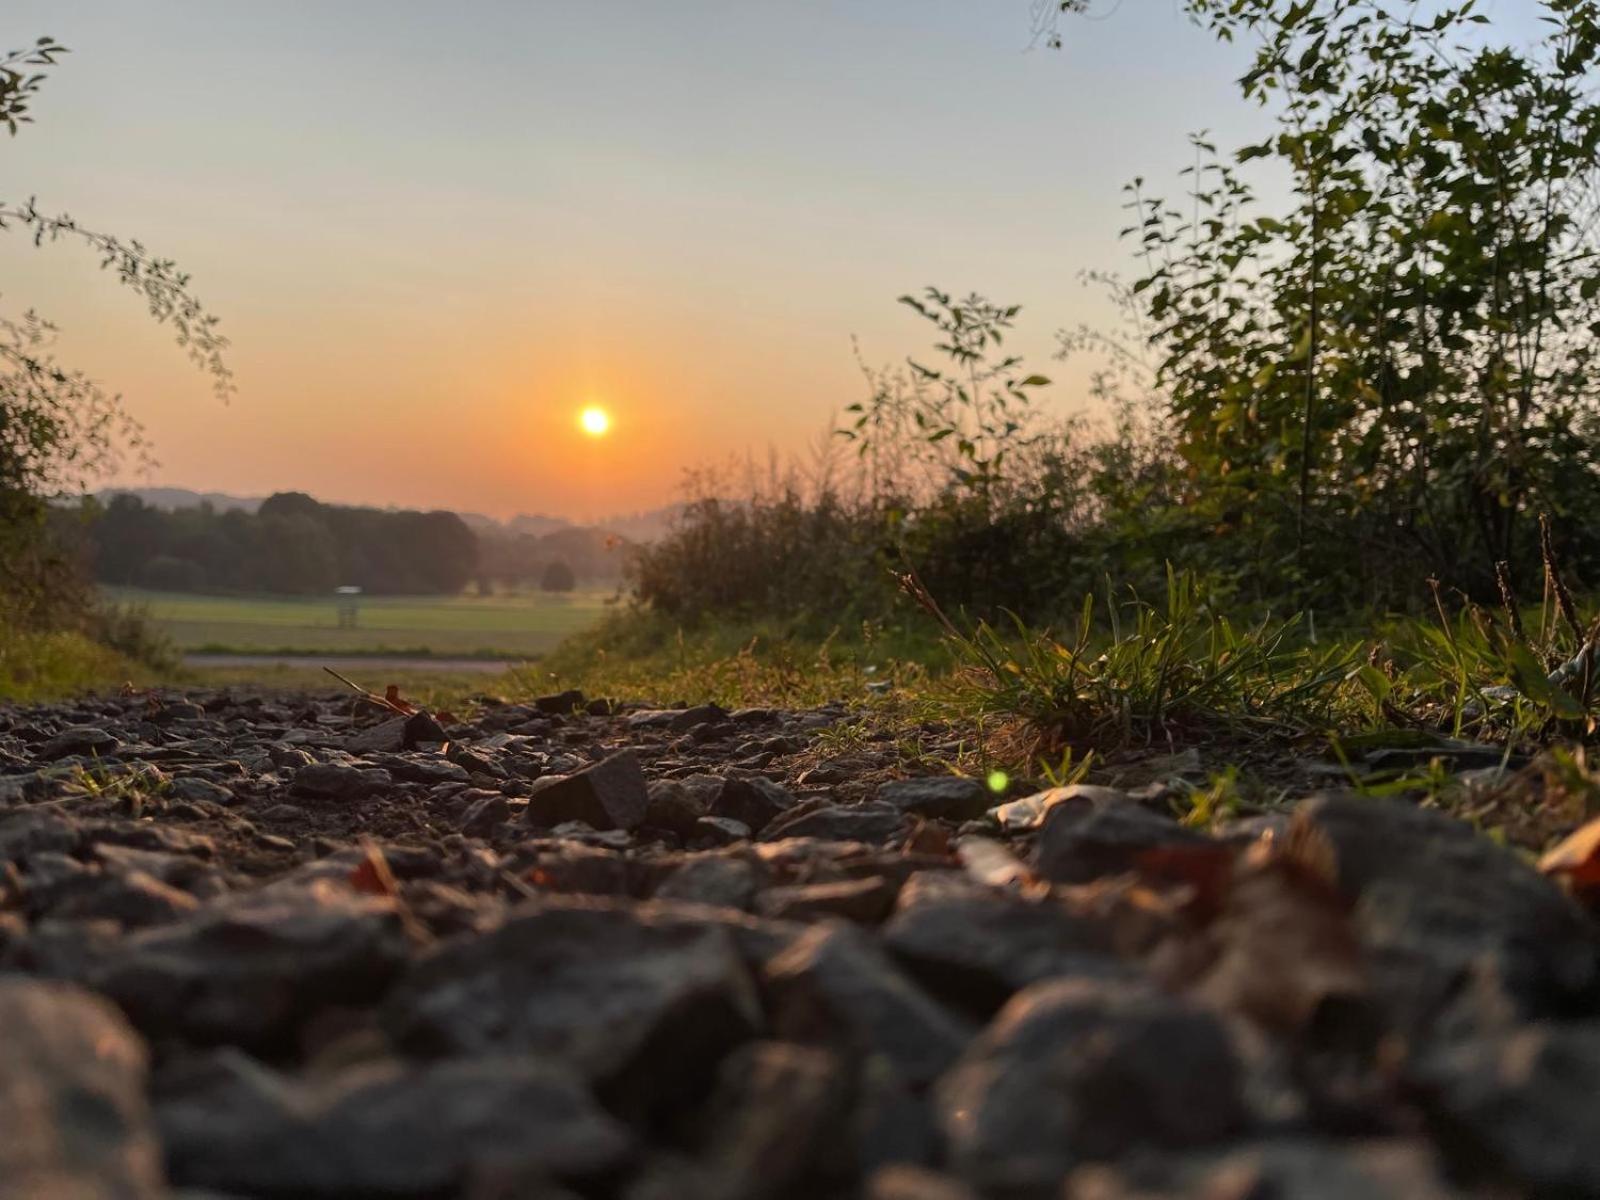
434 231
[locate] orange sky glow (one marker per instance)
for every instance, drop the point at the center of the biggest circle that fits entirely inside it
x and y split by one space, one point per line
436 233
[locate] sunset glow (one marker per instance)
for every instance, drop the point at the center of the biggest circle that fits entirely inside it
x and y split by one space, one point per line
595 421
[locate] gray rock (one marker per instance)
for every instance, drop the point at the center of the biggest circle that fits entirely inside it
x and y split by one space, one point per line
332 781
866 901
251 969
752 800
192 788
72 1098
835 986
720 831
562 703
724 880
674 807
609 795
26 832
132 898
1298 1167
974 946
484 814
701 714
1436 901
430 769
616 990
1084 1071
383 1129
839 823
777 1116
949 798
1083 839
1520 1107
78 740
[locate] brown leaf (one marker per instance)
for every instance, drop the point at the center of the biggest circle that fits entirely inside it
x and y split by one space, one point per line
1576 858
1285 945
992 864
1206 869
928 838
372 876
391 697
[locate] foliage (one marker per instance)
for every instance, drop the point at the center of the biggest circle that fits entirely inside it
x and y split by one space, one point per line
642 656
37 665
292 545
1391 374
57 426
18 85
558 577
1131 672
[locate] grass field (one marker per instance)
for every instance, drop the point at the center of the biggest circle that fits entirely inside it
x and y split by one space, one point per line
512 627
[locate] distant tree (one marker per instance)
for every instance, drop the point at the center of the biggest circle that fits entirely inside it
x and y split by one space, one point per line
297 555
164 573
558 577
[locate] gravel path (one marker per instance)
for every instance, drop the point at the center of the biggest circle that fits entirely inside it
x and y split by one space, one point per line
257 945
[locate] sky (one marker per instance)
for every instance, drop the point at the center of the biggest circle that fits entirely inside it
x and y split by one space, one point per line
437 231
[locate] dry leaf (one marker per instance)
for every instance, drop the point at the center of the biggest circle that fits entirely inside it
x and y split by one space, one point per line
391 697
1576 858
372 876
992 864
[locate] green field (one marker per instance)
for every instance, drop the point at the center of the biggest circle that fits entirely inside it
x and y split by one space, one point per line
442 626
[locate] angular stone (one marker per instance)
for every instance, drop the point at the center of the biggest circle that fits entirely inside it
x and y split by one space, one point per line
194 789
1085 1071
251 969
383 1129
718 879
1436 901
613 989
333 781
752 800
720 831
873 823
866 901
561 703
611 794
80 740
1520 1107
73 1117
485 814
777 1119
132 898
950 798
26 832
1082 840
431 769
1300 1167
701 714
673 807
835 986
385 735
974 946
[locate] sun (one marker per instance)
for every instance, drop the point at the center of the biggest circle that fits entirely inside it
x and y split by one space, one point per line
595 421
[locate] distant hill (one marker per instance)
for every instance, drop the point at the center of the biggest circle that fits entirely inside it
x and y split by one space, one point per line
172 499
536 524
